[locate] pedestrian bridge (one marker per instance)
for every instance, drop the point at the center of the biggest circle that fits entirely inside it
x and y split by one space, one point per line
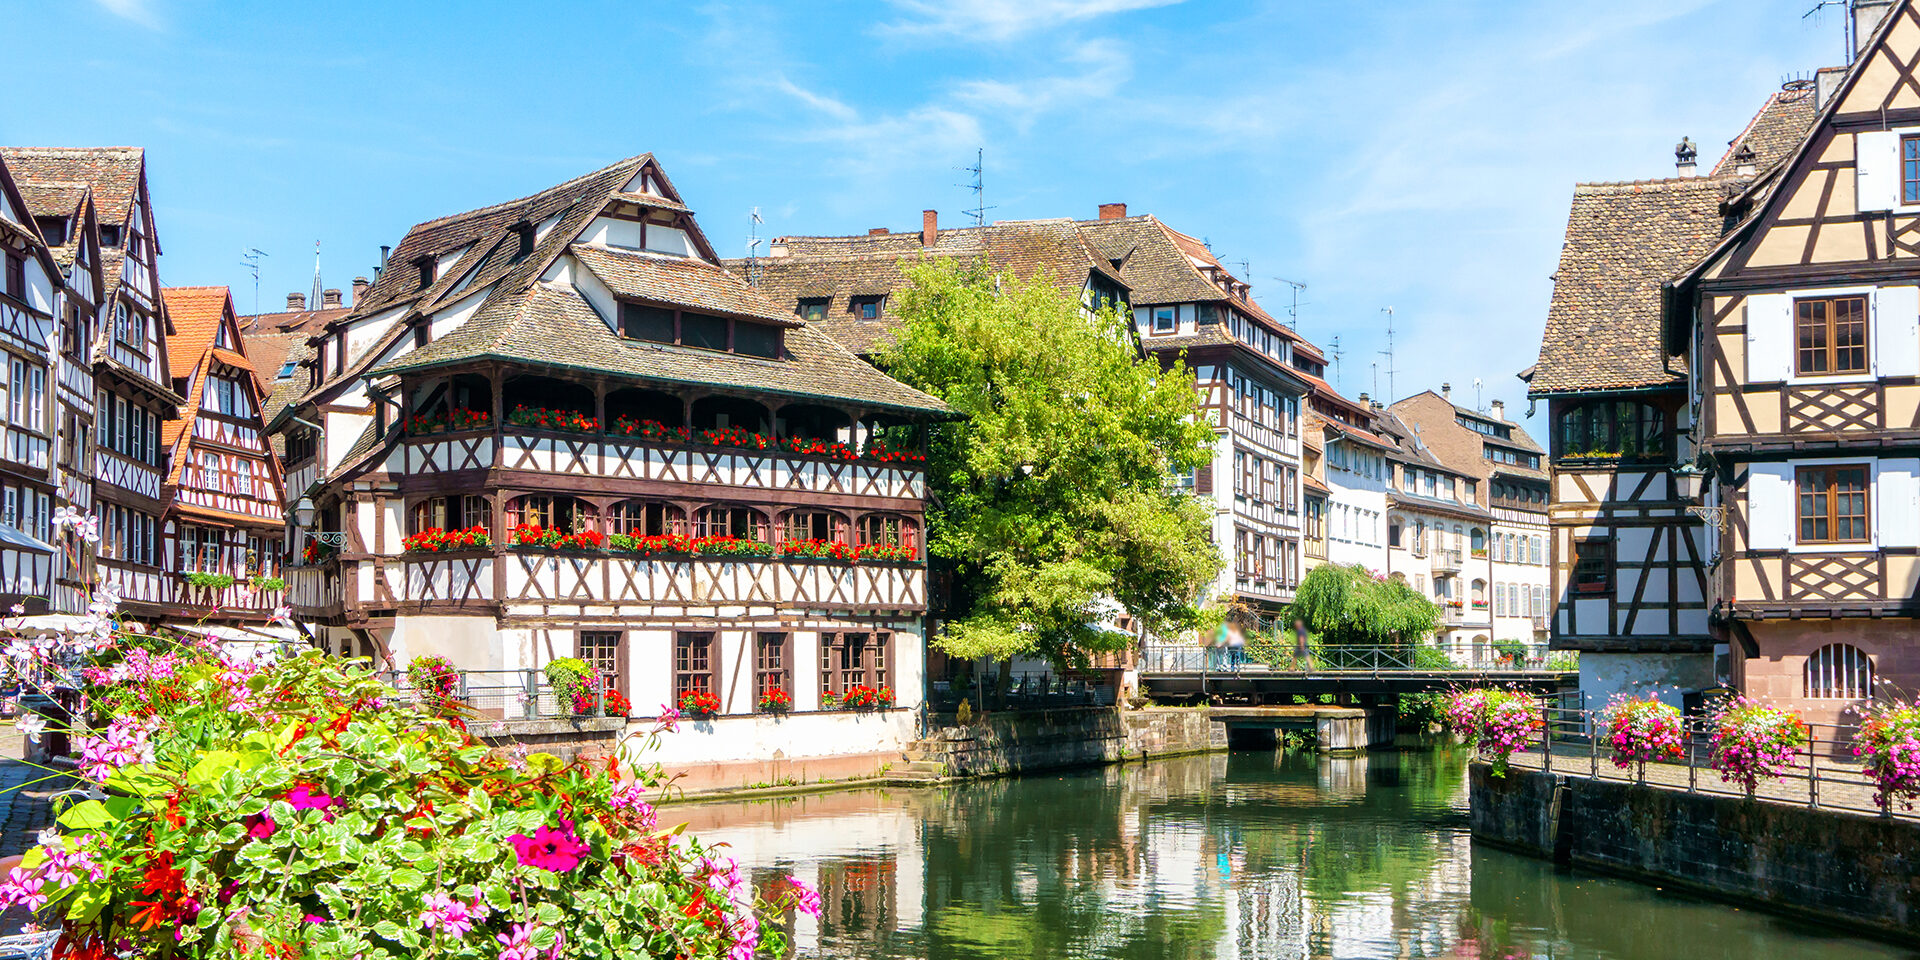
1179 672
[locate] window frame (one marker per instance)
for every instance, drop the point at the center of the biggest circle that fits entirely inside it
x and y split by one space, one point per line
1837 665
1829 494
1156 314
613 667
692 673
1598 579
777 668
1830 350
1910 169
875 668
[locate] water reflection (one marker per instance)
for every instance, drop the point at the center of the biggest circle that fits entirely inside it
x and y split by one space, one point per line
1244 855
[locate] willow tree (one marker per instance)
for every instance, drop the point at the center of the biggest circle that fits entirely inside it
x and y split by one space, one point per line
1348 604
1050 499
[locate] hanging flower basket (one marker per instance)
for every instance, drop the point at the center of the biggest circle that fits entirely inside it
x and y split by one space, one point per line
1496 722
1754 741
1640 730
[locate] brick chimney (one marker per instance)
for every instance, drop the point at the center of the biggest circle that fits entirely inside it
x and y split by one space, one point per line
1499 409
1113 211
360 286
929 227
296 301
330 299
877 232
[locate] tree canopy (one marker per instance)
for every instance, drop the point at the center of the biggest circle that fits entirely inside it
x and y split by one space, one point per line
1349 604
1052 496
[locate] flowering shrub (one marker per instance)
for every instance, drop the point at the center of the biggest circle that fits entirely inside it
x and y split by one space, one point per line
820 448
775 700
435 679
545 419
1889 746
1753 741
824 549
880 452
617 703
315 551
576 684
699 703
863 697
624 426
654 430
1495 721
292 810
1640 729
436 540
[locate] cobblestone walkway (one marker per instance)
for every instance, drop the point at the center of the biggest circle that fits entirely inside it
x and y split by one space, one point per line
24 810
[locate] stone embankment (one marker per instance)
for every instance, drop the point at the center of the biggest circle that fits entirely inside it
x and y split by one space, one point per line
1008 743
1833 866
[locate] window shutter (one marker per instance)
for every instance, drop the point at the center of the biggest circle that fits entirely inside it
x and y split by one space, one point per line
1770 517
1896 332
1876 164
1769 337
1897 503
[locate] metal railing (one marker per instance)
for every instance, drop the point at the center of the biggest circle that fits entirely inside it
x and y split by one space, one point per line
1184 658
1823 775
503 694
1025 691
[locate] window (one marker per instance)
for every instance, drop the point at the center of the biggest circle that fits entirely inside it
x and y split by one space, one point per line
812 308
1833 504
813 525
737 522
523 234
866 308
890 531
53 230
756 340
703 331
771 654
601 650
692 664
1592 566
1830 336
16 276
852 659
1163 320
551 513
1621 428
424 265
1909 169
646 518
448 513
1839 671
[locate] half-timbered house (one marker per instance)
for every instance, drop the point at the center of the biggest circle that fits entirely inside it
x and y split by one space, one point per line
558 427
223 526
32 299
115 387
1432 510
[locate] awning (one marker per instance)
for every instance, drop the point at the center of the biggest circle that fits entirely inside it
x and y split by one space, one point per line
9 537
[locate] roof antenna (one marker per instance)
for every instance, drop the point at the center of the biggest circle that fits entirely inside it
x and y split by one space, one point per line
1293 311
250 258
1334 351
1846 25
753 248
1388 353
1477 384
979 188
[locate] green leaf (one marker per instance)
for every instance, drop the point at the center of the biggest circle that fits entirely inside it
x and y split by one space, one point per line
387 929
407 878
87 815
89 901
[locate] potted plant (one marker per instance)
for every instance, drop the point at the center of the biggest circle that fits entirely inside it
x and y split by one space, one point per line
575 684
435 678
1889 746
699 704
1754 741
210 581
1639 729
1496 722
775 700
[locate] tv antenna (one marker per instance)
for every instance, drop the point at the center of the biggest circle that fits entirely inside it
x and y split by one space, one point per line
250 258
979 188
1818 13
1293 310
1388 353
1335 353
753 247
1477 384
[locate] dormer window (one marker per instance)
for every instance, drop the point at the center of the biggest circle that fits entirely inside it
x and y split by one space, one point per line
1163 320
53 230
865 308
425 265
812 308
523 232
700 330
110 235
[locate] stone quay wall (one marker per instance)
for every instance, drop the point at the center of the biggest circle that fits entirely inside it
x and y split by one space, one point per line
1824 865
1000 744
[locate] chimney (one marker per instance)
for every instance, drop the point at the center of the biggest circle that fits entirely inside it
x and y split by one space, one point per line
296 301
384 250
1363 401
1867 15
1499 409
1446 391
929 227
330 299
360 286
1113 211
877 232
1745 162
1826 81
1684 155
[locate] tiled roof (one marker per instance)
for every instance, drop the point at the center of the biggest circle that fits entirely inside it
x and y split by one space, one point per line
196 314
681 280
274 339
57 199
1624 241
1773 133
838 269
113 172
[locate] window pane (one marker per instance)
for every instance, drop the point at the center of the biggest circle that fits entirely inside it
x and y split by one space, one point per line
647 323
1812 333
698 330
1850 335
756 340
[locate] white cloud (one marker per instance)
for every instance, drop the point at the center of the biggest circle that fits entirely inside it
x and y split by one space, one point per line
1023 101
825 104
138 11
997 20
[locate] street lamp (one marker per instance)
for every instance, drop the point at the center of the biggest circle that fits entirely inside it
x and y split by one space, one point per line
304 514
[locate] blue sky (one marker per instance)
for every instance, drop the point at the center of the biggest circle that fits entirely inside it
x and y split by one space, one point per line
1418 154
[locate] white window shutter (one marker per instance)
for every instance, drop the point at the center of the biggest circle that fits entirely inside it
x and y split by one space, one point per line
1770 506
1896 332
1896 518
1876 164
1769 337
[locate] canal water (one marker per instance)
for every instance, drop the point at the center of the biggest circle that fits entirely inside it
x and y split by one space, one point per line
1246 855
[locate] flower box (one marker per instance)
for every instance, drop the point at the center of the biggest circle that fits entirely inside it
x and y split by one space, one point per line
541 418
860 697
699 704
775 700
436 540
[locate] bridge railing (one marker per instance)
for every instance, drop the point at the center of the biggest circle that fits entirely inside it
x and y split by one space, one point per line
1823 773
1187 658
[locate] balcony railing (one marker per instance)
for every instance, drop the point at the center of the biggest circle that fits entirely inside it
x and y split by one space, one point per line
1446 560
504 694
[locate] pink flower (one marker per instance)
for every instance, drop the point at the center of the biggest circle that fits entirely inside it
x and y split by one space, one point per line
669 718
805 899
518 944
549 849
304 797
451 916
260 826
629 797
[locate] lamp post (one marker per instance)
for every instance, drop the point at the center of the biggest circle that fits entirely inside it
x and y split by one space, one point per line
304 514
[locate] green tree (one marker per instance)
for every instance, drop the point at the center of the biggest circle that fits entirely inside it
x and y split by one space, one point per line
1347 604
1052 494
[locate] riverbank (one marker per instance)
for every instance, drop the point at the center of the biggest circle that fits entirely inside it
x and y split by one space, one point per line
1825 865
